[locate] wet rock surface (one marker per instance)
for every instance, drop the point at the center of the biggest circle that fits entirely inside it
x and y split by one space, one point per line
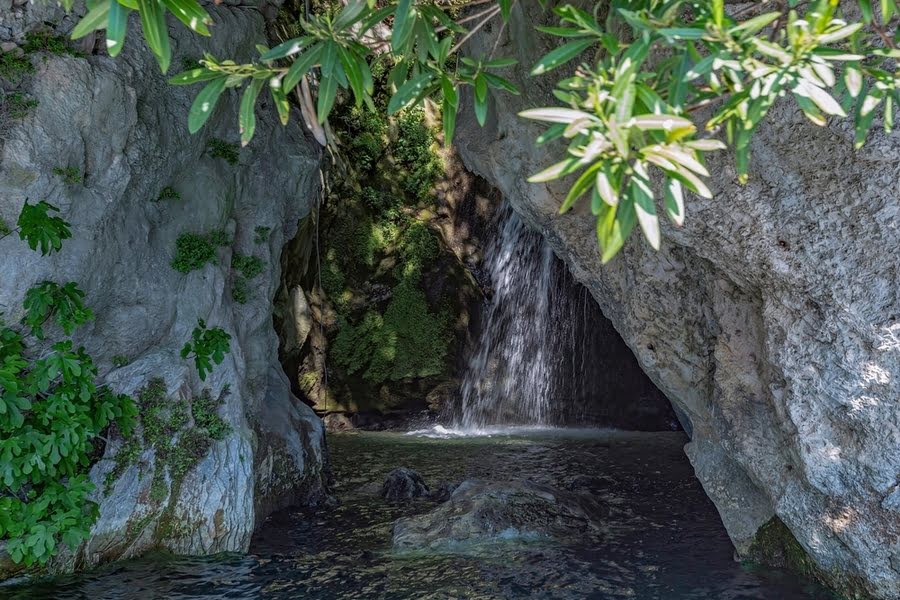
403 484
482 511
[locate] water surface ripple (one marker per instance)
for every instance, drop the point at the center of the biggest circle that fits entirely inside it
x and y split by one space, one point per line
664 539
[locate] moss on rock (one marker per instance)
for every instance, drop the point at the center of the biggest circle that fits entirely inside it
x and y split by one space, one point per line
775 545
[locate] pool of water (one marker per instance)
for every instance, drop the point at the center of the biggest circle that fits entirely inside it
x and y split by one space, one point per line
663 539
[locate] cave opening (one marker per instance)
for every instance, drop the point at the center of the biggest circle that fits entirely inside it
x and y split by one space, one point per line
541 352
527 334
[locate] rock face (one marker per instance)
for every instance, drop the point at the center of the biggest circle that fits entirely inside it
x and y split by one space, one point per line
771 320
482 511
403 484
123 130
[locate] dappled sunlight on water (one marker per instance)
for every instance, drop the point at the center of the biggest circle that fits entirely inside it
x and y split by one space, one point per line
663 539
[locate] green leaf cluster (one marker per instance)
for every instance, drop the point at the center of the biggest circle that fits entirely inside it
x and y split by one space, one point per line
194 250
45 41
51 412
207 346
168 193
40 230
17 105
626 119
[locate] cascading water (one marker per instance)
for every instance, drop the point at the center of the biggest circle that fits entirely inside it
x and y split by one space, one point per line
529 334
544 354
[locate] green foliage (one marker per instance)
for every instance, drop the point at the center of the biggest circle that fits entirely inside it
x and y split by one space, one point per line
192 252
206 415
230 153
180 432
207 346
70 175
248 266
42 41
13 67
51 411
40 230
120 360
626 119
418 247
240 290
414 151
220 237
168 193
126 456
48 300
17 105
262 235
408 341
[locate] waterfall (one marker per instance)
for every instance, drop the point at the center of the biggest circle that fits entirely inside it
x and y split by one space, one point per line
529 353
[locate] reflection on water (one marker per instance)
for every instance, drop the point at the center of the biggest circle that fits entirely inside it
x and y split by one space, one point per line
664 539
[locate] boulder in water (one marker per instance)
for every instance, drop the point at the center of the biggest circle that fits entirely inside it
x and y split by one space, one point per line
444 491
482 511
403 484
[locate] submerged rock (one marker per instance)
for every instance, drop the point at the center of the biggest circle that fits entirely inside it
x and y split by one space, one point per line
444 491
482 511
403 484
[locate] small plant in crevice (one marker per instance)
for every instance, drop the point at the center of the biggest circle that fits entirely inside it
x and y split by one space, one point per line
13 68
248 266
230 153
207 346
220 237
17 105
262 235
205 410
70 175
194 250
240 290
120 360
179 431
168 193
43 41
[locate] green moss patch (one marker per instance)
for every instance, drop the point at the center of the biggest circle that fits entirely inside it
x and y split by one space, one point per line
179 431
230 153
194 250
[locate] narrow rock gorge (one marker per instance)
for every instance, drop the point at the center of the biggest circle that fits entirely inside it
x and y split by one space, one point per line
357 285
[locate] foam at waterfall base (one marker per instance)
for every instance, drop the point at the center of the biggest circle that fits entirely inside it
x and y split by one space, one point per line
449 432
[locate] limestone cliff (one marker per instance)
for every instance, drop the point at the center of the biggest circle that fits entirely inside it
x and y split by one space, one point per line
771 321
106 141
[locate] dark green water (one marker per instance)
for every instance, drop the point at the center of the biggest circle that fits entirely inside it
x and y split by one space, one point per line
664 541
